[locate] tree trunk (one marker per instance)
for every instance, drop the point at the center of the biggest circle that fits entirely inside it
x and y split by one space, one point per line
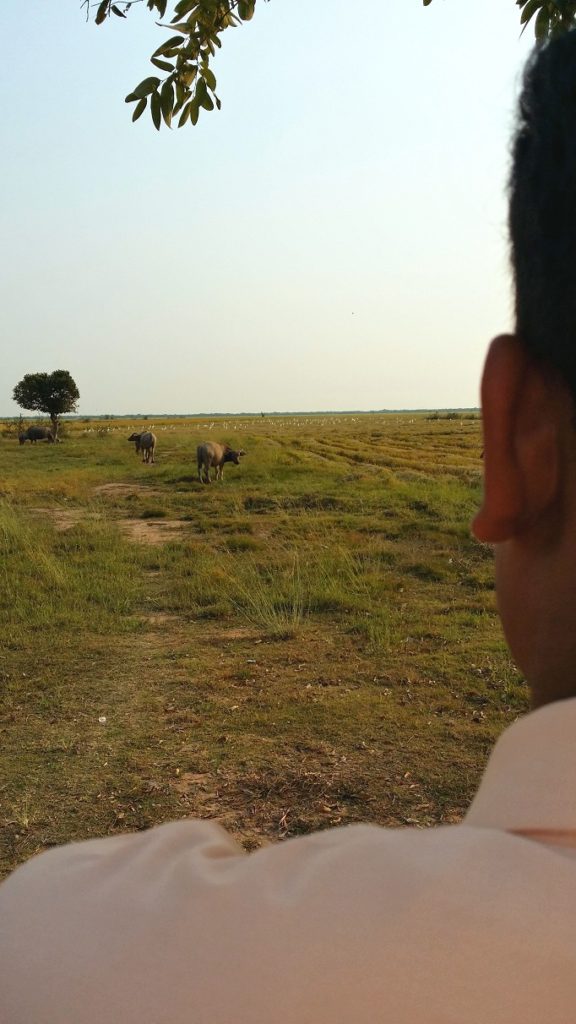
55 424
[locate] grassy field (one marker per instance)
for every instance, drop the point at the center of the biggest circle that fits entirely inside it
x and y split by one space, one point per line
311 643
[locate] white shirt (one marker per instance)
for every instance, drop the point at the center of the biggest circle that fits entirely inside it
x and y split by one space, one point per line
466 924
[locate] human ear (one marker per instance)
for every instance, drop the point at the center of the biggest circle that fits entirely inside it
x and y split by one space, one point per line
521 442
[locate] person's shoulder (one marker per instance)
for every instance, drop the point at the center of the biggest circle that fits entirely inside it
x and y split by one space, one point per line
204 847
199 855
138 853
182 917
183 874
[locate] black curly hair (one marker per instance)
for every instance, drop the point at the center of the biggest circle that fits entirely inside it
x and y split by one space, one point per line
542 217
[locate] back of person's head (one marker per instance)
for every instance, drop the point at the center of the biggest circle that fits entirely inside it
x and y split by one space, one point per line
529 389
543 208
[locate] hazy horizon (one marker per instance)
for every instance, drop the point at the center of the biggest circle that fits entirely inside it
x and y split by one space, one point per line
246 412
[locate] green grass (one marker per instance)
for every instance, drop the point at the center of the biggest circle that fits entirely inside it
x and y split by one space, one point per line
312 642
83 578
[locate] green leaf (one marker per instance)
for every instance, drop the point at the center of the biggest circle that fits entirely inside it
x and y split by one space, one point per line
207 103
201 91
156 110
184 7
542 24
246 9
162 64
167 101
529 10
168 44
194 111
181 95
209 78
426 3
188 74
230 19
140 108
116 10
102 12
185 114
146 87
131 97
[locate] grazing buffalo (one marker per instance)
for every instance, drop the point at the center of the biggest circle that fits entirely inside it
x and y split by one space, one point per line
211 454
145 443
34 434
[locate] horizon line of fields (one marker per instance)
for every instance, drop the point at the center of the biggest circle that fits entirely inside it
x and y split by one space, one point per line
240 415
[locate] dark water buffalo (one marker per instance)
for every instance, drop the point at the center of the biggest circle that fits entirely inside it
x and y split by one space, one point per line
145 443
217 455
34 434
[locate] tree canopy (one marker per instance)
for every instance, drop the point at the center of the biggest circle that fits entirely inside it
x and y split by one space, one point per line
188 84
52 393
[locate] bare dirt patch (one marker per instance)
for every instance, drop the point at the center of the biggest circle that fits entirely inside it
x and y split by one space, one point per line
201 794
238 633
160 618
124 490
152 531
63 518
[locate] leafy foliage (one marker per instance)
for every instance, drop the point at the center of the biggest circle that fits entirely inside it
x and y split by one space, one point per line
189 83
550 17
52 393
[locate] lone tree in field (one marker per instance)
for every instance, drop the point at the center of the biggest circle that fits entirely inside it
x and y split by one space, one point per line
188 84
52 393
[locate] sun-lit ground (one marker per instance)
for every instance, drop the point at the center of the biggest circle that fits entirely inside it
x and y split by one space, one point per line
311 642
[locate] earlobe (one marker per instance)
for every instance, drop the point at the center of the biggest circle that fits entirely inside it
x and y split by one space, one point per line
521 441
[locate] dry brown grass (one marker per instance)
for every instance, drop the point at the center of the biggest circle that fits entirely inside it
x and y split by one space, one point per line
313 643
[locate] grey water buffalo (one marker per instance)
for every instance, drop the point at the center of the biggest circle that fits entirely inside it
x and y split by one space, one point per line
145 443
210 454
34 434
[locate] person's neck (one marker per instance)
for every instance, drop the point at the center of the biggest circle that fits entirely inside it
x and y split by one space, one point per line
541 695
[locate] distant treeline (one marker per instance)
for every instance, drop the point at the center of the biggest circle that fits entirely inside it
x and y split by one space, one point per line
431 414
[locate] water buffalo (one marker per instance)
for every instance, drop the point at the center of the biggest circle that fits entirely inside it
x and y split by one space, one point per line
145 443
34 434
210 454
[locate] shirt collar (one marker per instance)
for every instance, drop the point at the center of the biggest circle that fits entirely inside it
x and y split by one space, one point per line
530 779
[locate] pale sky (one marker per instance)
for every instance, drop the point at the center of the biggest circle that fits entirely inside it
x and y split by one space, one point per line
334 238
